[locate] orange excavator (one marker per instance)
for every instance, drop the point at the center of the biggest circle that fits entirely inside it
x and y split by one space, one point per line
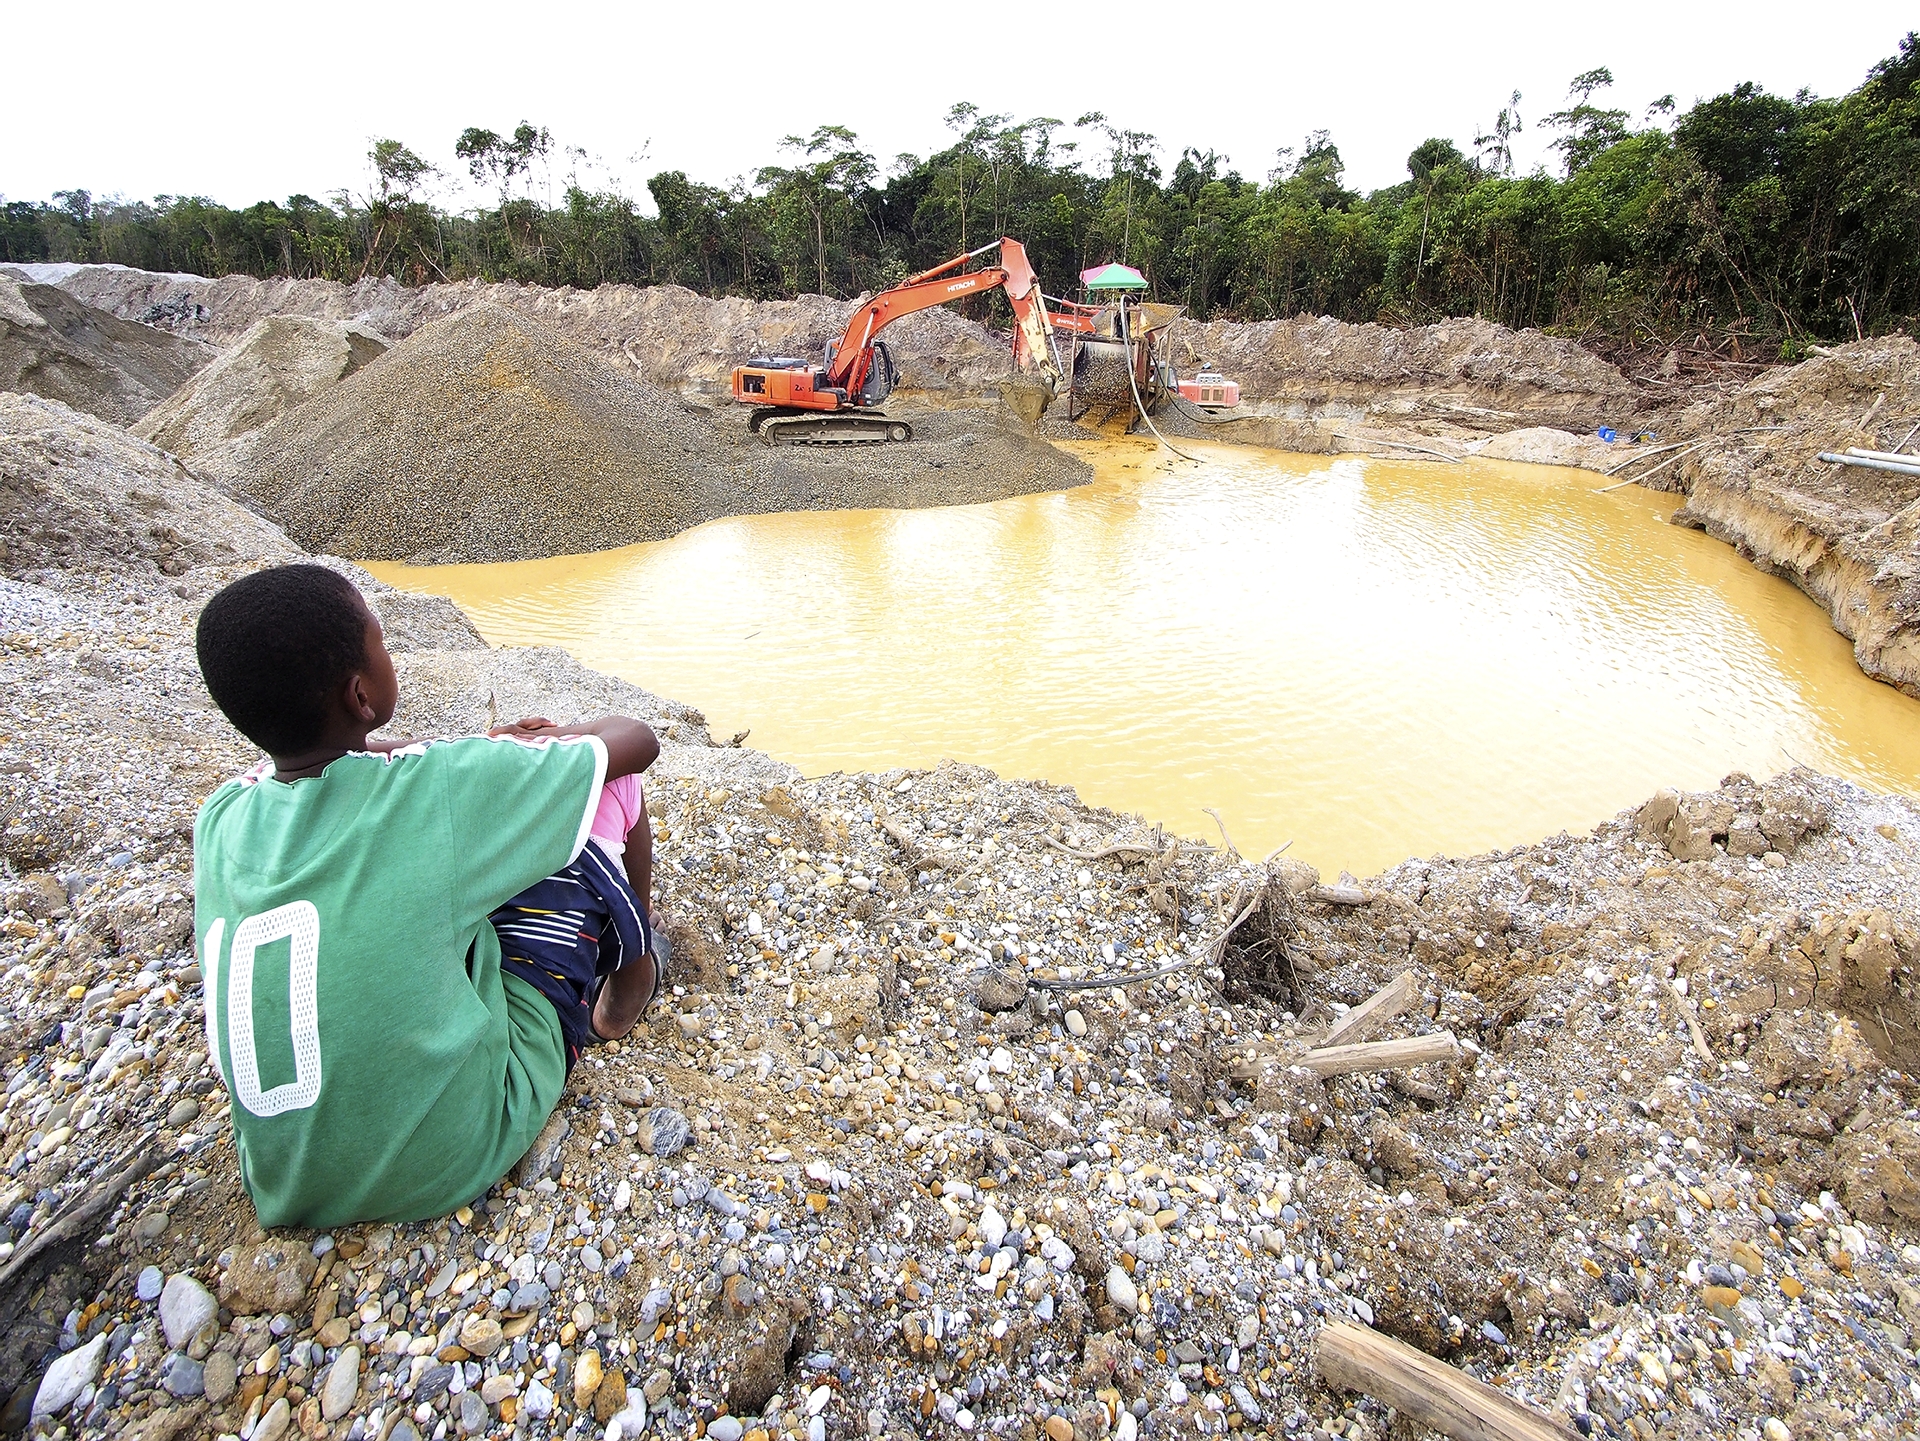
798 403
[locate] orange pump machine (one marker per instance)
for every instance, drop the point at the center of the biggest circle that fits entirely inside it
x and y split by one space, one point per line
799 403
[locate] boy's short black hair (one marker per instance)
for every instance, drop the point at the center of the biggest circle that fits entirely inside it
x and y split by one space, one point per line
273 645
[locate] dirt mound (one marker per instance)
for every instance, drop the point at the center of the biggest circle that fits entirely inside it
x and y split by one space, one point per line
485 436
1544 445
1849 536
79 494
281 362
53 345
1470 372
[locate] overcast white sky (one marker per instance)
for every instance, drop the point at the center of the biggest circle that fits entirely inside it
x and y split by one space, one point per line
244 102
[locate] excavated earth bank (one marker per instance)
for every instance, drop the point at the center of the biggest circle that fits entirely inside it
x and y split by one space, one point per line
1464 377
1460 376
1848 536
928 1188
52 345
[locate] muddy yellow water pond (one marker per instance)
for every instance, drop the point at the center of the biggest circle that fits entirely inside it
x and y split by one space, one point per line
1372 659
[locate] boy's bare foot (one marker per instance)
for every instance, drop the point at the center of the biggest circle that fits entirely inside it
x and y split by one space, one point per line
624 997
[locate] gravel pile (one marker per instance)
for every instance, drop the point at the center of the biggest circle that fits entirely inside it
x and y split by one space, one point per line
957 1120
276 365
79 494
483 436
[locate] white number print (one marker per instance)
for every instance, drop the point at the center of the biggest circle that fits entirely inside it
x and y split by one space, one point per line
299 922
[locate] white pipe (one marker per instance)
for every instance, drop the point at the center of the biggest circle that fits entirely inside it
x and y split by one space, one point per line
1833 459
1892 455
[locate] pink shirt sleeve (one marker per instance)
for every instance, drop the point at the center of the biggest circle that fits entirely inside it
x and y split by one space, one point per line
620 803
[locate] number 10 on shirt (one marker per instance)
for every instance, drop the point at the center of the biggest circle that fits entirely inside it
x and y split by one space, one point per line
232 992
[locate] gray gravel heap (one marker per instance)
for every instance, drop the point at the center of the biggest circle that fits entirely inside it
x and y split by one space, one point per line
485 436
53 345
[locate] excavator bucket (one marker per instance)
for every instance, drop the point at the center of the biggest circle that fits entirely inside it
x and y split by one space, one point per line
1027 396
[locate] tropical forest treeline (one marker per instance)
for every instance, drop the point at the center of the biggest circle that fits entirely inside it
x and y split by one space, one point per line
1769 219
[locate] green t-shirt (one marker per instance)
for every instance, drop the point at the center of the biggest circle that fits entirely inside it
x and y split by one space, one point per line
381 1067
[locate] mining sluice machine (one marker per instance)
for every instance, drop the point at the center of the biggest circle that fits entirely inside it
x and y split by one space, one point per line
837 403
1112 354
1116 364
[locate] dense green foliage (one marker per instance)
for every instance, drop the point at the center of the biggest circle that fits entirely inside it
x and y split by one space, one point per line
1780 219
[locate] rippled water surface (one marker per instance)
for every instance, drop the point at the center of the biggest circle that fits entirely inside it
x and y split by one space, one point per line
1373 659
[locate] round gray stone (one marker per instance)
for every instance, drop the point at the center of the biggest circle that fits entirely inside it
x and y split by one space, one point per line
183 1376
342 1386
473 1412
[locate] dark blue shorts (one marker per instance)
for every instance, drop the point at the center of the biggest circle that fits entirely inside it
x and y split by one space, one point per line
564 935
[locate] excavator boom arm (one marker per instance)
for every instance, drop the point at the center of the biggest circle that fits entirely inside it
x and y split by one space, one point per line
848 369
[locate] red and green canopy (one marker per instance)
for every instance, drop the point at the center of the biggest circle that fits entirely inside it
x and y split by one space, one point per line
1113 277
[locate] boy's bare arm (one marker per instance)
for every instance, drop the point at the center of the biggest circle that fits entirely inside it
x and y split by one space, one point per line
631 744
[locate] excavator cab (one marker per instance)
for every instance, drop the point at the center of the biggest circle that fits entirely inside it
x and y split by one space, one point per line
879 381
881 376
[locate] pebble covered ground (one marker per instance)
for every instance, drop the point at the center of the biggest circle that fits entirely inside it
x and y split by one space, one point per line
957 1120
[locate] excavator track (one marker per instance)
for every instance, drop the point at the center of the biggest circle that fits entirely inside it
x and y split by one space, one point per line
843 427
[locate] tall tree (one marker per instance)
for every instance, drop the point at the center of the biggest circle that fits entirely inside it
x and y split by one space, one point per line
831 163
1587 130
1495 147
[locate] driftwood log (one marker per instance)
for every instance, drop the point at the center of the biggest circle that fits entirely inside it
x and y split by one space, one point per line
77 1222
1339 1053
1700 1046
1433 1393
1379 1008
1382 1055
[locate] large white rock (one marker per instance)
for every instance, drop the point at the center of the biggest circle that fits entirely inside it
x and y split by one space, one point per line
993 1227
185 1306
1121 1290
67 1377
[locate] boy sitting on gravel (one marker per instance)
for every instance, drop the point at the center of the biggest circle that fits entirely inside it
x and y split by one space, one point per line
352 898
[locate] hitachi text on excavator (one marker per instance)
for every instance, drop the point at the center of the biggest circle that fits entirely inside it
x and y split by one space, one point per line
837 403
